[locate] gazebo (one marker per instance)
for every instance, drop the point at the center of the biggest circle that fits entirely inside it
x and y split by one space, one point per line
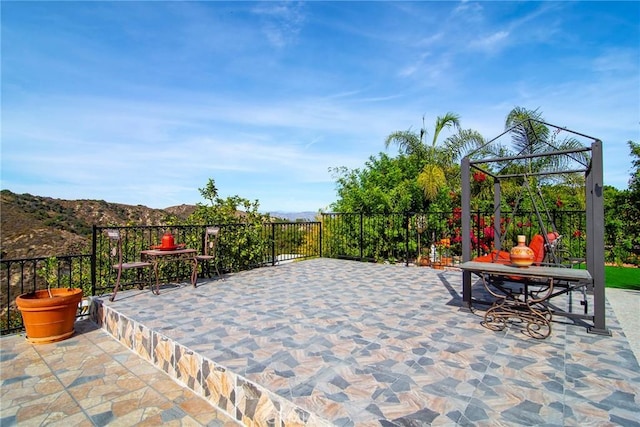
543 150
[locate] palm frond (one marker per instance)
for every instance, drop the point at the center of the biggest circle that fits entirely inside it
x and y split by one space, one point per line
448 120
463 142
408 142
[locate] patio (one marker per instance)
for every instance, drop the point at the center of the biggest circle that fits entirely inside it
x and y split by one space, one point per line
330 342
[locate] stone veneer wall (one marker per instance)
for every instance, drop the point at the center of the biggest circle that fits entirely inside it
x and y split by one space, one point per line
243 400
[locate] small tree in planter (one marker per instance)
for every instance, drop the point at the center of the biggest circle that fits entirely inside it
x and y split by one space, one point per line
49 314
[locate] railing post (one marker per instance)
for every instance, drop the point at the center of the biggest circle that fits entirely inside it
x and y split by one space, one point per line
361 235
94 245
320 233
8 264
273 243
406 239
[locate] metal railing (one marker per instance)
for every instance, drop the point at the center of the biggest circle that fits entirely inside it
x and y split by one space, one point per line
400 237
240 247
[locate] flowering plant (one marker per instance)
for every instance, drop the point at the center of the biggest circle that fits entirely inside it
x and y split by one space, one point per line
443 246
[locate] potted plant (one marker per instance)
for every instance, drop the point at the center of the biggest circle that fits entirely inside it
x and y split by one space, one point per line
49 315
423 260
423 257
443 248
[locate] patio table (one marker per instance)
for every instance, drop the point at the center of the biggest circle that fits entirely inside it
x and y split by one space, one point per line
155 256
535 286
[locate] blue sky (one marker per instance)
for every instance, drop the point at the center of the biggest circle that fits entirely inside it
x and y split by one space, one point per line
143 102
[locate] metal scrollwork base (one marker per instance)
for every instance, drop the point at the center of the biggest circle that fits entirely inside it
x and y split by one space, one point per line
526 308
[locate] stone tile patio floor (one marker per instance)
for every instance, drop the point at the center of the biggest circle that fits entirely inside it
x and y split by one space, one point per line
318 342
92 380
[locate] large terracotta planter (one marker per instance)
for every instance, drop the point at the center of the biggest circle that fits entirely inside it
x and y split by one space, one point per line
48 319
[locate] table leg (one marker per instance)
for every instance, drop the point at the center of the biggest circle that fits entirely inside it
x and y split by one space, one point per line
156 272
194 272
528 309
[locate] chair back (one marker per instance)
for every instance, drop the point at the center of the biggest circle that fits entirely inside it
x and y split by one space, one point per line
545 248
116 250
211 240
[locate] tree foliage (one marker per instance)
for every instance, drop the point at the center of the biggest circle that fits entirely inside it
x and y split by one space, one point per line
622 216
426 177
438 163
242 241
420 177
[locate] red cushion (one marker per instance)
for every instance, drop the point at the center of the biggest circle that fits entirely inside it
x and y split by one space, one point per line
537 246
501 257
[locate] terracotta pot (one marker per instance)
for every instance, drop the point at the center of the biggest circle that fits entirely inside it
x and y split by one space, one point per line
521 255
438 265
447 260
424 261
48 319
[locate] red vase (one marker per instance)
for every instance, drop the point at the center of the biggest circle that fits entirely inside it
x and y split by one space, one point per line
521 255
167 241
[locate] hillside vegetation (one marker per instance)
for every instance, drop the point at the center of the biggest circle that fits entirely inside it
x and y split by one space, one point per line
34 226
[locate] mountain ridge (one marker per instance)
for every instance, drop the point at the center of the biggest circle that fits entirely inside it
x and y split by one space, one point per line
37 226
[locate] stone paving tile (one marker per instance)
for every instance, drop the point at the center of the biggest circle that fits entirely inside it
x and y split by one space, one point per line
360 344
92 380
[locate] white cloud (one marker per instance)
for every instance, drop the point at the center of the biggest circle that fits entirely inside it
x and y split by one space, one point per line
282 21
492 42
145 106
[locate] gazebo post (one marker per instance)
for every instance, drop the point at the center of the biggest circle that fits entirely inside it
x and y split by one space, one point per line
466 227
595 237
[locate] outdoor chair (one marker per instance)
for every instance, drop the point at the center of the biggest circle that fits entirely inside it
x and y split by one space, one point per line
211 236
119 265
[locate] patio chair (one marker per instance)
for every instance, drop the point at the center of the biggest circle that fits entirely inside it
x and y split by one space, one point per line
211 237
119 266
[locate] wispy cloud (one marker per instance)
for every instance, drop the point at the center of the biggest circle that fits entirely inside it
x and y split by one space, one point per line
143 102
281 21
492 42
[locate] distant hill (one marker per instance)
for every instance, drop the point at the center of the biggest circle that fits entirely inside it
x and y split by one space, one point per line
294 216
33 226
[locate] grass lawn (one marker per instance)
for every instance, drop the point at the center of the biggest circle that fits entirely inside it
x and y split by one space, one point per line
622 277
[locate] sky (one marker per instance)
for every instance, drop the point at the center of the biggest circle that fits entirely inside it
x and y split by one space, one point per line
144 102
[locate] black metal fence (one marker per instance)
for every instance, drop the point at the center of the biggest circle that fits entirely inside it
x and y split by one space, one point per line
403 237
240 247
396 238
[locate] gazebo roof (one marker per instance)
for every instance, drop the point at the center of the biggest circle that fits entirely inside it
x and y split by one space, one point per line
565 150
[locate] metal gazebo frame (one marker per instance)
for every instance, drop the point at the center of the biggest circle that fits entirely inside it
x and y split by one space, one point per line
593 173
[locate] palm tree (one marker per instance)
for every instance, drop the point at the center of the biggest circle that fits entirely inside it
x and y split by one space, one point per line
531 135
438 161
